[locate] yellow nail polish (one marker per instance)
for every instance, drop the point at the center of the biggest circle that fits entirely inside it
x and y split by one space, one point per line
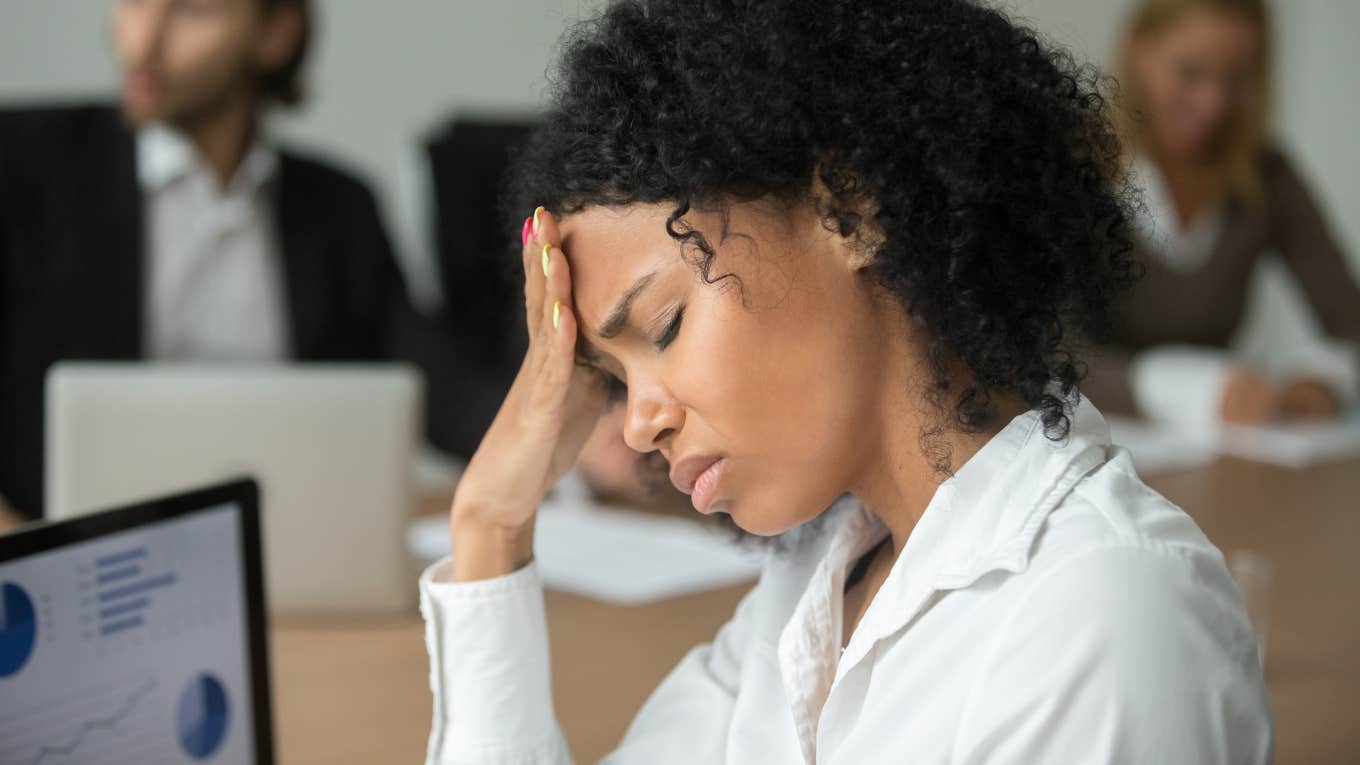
537 211
546 260
557 313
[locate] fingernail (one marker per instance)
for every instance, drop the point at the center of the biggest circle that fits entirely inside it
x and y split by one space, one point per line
557 312
547 261
537 211
524 232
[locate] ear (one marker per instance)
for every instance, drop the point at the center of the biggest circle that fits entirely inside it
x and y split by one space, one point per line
862 247
283 28
859 246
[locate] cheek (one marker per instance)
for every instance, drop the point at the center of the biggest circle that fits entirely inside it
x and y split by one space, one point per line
781 390
1167 88
203 54
128 31
742 368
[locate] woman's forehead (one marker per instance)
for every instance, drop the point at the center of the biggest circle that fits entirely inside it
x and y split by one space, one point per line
610 248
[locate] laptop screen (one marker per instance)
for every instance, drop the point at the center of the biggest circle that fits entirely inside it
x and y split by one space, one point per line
130 637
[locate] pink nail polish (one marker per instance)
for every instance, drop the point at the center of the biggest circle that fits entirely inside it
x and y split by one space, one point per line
524 233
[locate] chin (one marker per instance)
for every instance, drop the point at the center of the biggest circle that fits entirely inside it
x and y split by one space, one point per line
771 534
1185 146
138 115
762 521
760 526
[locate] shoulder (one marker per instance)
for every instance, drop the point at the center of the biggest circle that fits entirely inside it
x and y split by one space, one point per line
63 118
1125 631
1275 159
57 154
313 177
1280 174
66 129
1119 553
38 132
1126 591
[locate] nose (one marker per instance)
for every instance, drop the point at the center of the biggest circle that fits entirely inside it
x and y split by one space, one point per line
653 417
1211 103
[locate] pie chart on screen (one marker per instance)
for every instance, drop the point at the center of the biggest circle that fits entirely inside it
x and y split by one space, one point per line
202 715
18 628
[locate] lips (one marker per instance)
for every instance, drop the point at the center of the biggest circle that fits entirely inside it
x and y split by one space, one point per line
698 477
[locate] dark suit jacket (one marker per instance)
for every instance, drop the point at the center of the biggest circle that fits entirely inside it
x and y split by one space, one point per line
71 267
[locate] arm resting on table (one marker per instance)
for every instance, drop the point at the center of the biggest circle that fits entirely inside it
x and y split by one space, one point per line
490 676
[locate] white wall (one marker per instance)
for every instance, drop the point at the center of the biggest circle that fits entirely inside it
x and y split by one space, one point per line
384 71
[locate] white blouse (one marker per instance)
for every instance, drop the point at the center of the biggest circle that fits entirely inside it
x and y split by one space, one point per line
1048 608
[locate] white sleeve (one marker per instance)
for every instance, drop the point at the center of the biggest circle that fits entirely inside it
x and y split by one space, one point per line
489 673
687 719
1180 385
1123 654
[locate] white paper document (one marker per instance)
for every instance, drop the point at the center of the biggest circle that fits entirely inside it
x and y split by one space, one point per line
1293 444
1159 448
618 556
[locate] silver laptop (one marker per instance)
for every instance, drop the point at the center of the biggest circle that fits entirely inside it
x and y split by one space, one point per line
330 445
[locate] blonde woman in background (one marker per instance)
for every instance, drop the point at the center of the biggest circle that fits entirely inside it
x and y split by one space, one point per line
1196 78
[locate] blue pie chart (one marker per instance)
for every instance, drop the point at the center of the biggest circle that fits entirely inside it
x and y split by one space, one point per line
202 716
18 628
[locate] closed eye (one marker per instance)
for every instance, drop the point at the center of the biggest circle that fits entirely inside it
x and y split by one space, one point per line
672 329
616 390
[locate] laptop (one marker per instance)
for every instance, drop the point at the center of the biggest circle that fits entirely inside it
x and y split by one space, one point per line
137 635
331 446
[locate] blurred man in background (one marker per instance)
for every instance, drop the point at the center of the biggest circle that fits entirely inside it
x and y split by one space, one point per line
173 228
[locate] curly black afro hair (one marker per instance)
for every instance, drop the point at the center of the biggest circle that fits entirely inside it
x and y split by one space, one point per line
978 162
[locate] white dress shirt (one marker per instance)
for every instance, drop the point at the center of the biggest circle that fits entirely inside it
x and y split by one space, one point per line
1048 608
214 289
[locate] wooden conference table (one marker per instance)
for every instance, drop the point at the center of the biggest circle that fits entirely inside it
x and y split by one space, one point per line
357 692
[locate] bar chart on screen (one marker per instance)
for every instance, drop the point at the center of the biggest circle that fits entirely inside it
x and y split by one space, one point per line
120 592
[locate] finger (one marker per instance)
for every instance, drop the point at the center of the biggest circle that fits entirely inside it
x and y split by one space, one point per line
536 235
583 390
545 230
557 340
529 258
558 282
545 317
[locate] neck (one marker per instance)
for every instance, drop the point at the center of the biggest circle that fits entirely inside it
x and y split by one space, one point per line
905 472
1188 184
223 135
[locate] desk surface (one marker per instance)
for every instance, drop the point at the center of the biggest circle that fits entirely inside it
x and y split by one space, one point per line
358 692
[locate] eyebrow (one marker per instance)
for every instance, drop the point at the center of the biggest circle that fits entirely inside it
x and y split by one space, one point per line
613 324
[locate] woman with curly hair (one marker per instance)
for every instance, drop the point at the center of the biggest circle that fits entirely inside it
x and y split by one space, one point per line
833 255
